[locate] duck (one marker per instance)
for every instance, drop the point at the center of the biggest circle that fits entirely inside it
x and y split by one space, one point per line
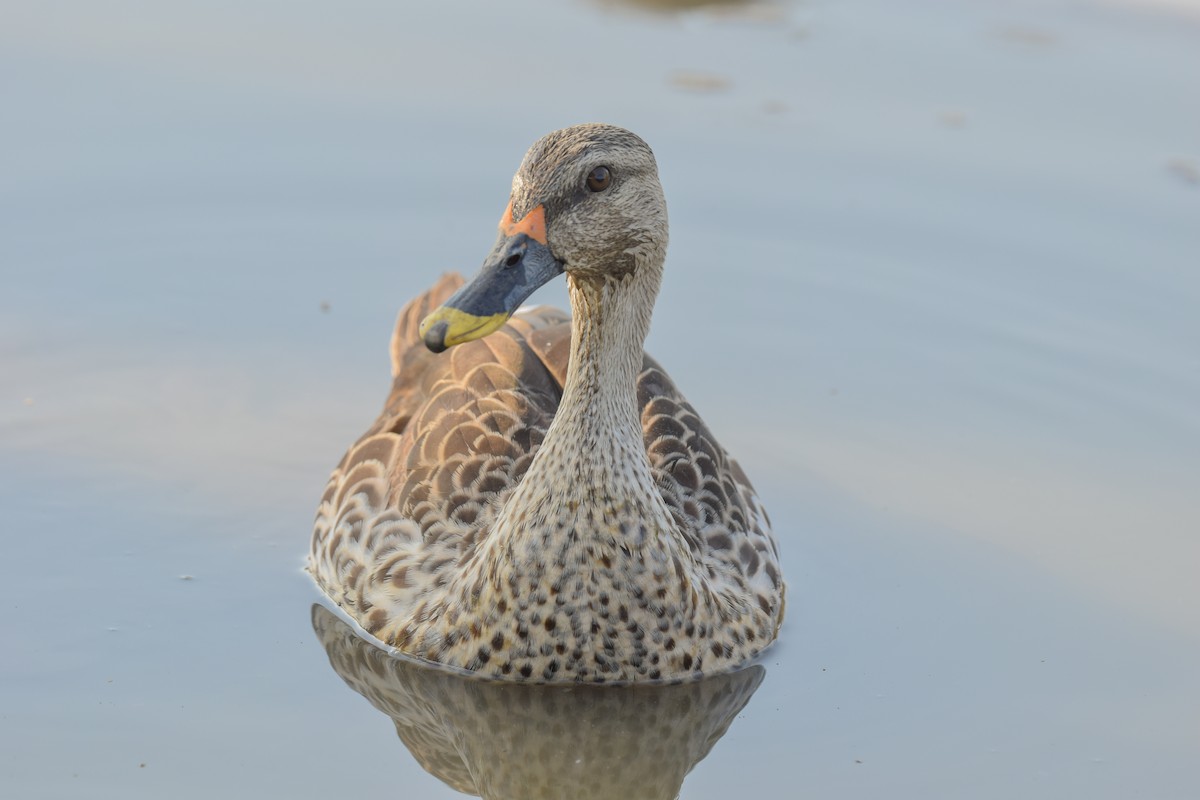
537 501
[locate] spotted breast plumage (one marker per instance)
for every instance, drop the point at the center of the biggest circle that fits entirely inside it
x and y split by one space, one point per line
537 501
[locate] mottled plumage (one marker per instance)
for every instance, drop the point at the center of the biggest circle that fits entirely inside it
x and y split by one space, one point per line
623 544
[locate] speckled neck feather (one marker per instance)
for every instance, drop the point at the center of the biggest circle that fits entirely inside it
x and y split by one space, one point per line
593 460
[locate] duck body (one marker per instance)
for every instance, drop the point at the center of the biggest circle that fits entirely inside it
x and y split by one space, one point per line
543 504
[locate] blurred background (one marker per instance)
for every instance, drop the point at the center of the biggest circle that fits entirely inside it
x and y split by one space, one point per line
933 279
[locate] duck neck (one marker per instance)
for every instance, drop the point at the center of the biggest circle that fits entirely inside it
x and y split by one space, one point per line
591 477
598 415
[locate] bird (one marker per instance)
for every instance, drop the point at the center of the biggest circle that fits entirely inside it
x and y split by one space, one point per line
538 502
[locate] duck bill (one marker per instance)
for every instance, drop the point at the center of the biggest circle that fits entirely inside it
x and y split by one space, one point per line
520 262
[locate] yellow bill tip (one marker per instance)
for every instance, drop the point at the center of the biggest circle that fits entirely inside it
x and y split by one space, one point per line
448 326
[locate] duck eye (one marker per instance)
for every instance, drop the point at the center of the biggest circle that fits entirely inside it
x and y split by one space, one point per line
599 179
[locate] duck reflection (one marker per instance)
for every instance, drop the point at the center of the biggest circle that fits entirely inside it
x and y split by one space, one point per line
499 740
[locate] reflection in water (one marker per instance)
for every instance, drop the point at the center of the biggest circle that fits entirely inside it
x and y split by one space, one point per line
501 740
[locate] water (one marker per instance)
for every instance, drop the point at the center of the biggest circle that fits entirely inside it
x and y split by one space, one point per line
944 254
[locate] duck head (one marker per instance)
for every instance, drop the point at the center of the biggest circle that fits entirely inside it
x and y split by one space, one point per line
586 201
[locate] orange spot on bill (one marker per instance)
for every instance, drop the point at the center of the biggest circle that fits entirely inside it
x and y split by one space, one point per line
532 225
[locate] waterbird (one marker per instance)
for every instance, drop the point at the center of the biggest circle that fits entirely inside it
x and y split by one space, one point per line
537 501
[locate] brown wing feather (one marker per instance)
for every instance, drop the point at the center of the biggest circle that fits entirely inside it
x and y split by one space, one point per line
457 432
708 493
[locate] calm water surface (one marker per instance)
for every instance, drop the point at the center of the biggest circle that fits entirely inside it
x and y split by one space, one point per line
932 279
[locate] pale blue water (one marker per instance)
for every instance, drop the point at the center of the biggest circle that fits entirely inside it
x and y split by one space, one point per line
933 279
